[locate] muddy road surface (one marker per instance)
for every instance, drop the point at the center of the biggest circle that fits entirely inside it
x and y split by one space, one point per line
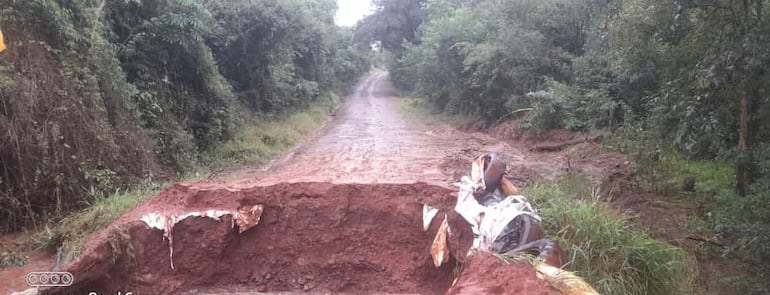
340 213
370 141
373 138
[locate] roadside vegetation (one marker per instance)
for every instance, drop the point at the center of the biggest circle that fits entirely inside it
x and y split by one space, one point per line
676 85
67 238
416 108
99 97
254 143
265 138
604 247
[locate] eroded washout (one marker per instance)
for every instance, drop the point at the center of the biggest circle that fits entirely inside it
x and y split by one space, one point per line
310 237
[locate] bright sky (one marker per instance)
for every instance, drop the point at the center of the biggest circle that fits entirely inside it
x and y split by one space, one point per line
351 11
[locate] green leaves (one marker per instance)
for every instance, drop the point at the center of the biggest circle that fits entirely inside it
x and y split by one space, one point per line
484 58
183 23
394 22
144 86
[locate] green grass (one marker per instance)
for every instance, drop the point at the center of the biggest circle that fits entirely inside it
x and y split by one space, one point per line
741 221
604 247
416 109
264 139
711 177
74 230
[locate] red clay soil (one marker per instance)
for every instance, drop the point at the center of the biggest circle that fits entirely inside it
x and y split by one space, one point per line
315 237
486 274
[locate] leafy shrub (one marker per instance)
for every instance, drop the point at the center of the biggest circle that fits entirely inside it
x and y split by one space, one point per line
564 106
745 219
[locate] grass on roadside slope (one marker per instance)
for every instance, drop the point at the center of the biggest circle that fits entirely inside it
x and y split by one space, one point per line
73 231
262 140
742 220
415 108
255 143
603 246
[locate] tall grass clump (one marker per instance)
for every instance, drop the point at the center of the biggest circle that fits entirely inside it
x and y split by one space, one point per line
603 246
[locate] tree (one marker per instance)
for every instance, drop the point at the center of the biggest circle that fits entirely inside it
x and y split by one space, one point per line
393 22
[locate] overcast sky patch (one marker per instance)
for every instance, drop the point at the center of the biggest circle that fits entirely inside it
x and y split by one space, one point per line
351 11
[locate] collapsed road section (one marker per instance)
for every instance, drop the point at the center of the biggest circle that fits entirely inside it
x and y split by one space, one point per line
309 237
300 237
323 237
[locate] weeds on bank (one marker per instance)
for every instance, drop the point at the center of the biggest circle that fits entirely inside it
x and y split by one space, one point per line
266 138
709 185
604 248
415 108
73 231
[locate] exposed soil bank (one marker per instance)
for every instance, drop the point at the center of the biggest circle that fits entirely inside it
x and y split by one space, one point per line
487 274
315 237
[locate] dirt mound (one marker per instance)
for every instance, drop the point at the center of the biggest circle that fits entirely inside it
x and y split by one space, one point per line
486 274
315 237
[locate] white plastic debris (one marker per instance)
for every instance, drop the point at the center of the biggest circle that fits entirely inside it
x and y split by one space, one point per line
487 222
245 218
428 213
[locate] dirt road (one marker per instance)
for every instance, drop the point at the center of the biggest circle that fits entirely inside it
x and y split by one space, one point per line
342 212
370 141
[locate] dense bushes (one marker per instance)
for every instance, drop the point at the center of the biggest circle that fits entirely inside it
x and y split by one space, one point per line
594 64
96 94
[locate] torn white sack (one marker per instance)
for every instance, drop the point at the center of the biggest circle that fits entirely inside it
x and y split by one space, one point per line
487 222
